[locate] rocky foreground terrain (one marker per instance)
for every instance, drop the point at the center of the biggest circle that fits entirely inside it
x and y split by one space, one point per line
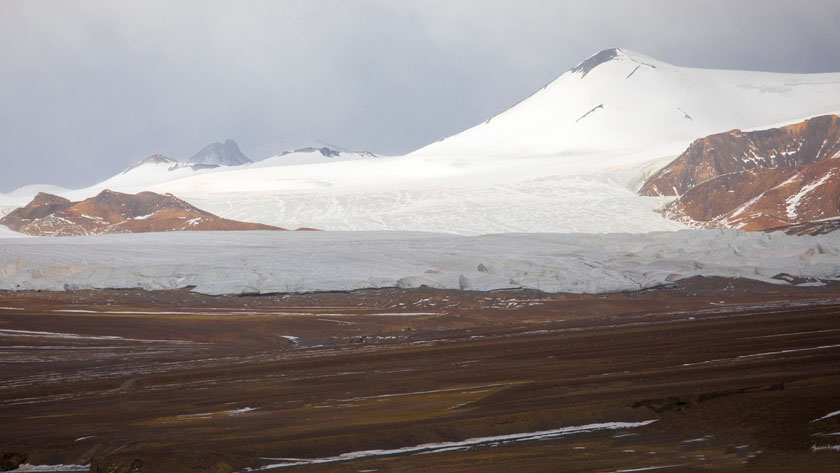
115 212
756 180
708 375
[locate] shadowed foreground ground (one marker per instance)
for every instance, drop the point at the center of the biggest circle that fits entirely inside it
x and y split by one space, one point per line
736 375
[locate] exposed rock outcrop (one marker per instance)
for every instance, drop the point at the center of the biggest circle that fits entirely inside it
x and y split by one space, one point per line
115 212
820 227
804 143
171 163
596 60
224 154
756 180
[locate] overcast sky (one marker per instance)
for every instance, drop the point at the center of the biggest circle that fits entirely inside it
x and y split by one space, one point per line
89 87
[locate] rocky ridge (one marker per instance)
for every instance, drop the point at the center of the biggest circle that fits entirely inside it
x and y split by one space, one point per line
173 164
115 212
756 180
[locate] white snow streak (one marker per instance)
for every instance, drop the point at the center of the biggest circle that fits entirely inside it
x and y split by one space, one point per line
794 200
761 355
445 446
827 416
819 448
26 467
647 468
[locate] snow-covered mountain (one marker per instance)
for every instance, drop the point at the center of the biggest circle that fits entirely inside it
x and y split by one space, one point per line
569 158
220 154
159 169
634 107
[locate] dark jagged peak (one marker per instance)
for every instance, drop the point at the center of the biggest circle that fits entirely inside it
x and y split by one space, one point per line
153 159
596 60
225 154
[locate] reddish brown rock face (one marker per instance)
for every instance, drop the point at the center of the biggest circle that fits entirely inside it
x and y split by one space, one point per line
114 212
756 180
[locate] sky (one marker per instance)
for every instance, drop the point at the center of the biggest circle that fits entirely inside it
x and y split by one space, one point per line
89 87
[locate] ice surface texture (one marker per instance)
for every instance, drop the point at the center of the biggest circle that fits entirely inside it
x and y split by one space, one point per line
268 262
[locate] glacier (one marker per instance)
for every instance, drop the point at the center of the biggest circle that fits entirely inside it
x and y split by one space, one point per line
221 263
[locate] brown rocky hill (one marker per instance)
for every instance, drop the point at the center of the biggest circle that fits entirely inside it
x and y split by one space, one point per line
736 151
756 180
115 212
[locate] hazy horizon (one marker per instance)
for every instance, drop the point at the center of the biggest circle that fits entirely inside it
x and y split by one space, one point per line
90 87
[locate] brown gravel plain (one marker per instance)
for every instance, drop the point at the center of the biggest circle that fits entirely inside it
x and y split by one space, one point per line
736 375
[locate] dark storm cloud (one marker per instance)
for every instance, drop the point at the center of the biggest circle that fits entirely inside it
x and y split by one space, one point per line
87 87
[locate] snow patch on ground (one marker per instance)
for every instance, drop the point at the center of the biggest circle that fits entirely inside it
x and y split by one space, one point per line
26 467
827 416
819 448
647 468
449 446
794 200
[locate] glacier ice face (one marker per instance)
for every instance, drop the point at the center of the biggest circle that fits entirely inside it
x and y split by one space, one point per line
268 262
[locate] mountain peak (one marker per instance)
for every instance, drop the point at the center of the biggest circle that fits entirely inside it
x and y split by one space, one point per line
43 198
226 154
614 54
596 60
157 158
153 159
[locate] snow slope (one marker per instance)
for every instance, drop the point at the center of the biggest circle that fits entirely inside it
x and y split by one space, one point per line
620 100
325 261
567 159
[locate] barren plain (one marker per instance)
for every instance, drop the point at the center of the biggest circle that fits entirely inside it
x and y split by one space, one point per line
707 375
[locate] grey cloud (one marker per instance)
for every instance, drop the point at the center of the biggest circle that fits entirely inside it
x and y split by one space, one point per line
87 87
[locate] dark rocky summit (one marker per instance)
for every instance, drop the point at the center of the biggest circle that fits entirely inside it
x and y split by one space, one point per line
223 154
